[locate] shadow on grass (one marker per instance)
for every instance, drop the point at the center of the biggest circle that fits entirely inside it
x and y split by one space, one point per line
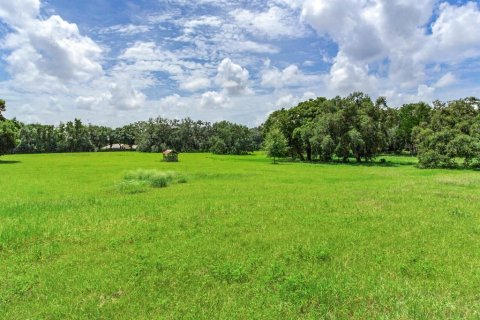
353 163
386 164
9 161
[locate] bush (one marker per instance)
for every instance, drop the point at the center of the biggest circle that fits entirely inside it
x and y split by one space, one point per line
433 159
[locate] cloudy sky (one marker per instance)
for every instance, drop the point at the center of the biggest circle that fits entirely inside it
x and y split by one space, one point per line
117 61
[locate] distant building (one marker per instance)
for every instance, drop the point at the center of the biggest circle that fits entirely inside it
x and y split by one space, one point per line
170 155
119 147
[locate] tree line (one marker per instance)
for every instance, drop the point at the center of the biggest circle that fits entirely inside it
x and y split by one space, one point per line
154 135
352 128
445 134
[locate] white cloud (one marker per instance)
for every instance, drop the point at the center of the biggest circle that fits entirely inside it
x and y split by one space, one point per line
19 12
392 33
119 96
88 103
190 26
455 33
287 101
126 97
290 100
446 80
171 102
346 77
273 23
127 29
195 83
47 50
405 49
290 76
232 78
213 99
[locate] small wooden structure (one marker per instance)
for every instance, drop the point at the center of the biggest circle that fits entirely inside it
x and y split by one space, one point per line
170 155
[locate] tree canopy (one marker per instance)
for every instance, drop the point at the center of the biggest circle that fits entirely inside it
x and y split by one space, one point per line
2 109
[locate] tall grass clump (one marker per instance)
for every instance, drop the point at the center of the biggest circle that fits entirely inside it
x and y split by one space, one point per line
132 186
154 178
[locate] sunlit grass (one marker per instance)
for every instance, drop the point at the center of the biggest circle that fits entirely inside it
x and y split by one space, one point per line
243 239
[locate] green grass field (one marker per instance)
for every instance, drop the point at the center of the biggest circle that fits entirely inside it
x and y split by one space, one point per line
241 239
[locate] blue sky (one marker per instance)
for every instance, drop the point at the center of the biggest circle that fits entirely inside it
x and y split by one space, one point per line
114 62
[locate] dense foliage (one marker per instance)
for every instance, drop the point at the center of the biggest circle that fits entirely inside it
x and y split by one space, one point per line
8 136
356 127
2 109
452 136
154 135
275 144
8 132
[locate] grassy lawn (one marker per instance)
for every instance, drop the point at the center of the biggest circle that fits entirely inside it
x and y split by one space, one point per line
242 239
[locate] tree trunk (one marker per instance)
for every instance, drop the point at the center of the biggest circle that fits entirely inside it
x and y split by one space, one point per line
309 153
300 154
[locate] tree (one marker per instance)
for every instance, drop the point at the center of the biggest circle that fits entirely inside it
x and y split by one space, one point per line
450 135
100 136
2 109
8 136
231 138
275 144
127 135
410 116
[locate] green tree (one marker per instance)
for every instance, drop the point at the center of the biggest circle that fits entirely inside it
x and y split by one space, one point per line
231 138
8 136
2 109
275 144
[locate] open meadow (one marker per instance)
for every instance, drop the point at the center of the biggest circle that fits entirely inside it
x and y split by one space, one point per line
239 238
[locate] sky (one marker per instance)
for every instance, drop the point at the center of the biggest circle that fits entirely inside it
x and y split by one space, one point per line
113 62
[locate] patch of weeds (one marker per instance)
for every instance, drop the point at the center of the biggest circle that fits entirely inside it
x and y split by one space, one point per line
132 187
459 181
418 267
231 272
306 293
457 213
159 181
137 181
275 274
316 255
182 179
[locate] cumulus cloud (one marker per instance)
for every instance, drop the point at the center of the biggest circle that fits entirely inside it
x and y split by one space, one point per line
233 78
47 50
455 33
171 102
404 49
19 12
195 83
213 99
290 100
290 76
119 96
346 76
371 33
